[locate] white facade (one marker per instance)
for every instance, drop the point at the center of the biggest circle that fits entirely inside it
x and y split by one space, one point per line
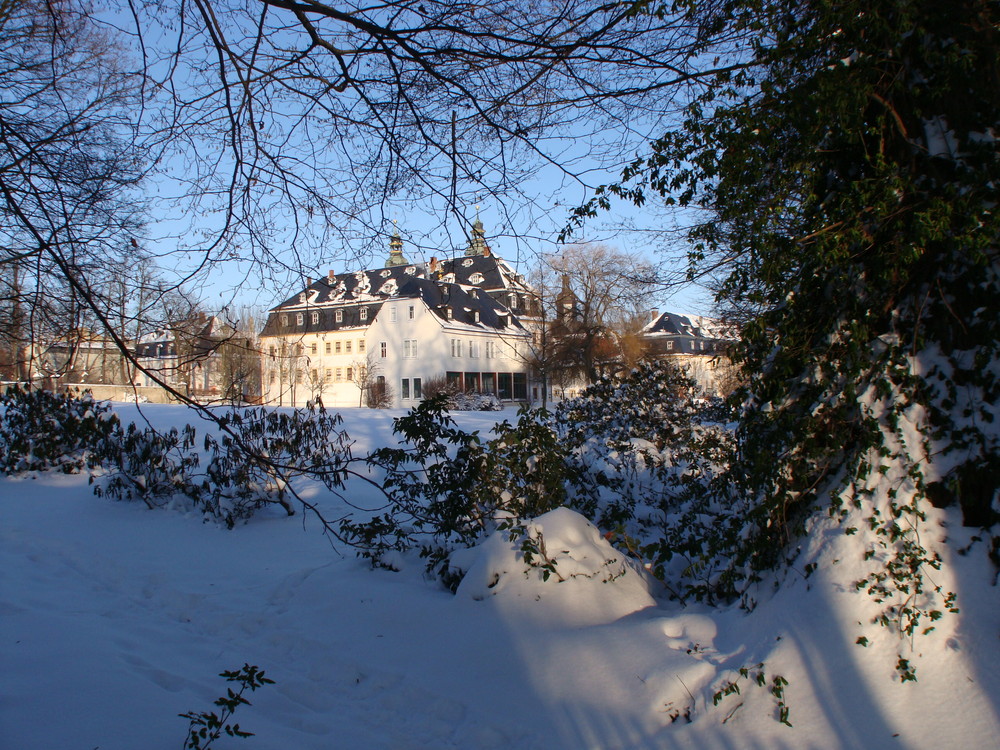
402 326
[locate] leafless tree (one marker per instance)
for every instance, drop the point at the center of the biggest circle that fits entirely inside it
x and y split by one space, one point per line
589 294
366 372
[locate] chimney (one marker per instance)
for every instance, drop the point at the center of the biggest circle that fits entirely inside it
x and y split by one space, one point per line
309 280
330 276
654 314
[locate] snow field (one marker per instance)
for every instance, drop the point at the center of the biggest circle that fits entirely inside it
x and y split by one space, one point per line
114 619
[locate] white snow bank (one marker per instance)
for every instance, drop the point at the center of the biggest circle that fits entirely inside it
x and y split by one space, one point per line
570 574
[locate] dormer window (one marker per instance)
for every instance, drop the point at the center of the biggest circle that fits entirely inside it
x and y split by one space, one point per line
467 262
386 273
476 278
284 320
338 316
410 270
448 313
363 313
314 318
300 319
475 316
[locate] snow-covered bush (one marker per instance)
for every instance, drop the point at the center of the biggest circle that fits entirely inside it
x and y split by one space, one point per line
262 449
475 402
448 488
459 400
144 464
247 468
41 430
647 442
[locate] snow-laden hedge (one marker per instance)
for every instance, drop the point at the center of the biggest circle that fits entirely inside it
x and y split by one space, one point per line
41 430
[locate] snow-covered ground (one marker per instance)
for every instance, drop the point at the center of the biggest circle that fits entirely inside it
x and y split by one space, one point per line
114 619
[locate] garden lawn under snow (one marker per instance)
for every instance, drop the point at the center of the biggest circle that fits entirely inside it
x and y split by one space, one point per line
114 619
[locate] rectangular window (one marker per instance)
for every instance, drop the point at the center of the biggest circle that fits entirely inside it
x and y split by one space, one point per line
327 347
347 347
339 316
404 388
284 320
520 386
298 376
336 347
314 317
409 348
312 348
300 349
329 375
670 345
363 313
474 349
313 376
454 379
504 386
339 375
271 352
392 314
489 382
361 346
350 374
384 349
491 349
472 382
300 319
456 347
416 388
412 311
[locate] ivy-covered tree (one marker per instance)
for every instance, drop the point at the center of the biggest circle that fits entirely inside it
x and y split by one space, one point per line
851 173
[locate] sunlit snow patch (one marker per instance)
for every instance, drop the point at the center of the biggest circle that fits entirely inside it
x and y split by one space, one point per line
558 569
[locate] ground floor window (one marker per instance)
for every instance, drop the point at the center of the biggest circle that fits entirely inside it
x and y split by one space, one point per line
404 388
520 386
505 386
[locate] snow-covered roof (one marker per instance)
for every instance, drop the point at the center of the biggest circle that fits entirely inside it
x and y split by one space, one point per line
464 285
695 326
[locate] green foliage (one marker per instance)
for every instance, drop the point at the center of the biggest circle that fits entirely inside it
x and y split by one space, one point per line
207 726
146 464
658 470
758 677
630 453
850 168
41 430
262 449
448 488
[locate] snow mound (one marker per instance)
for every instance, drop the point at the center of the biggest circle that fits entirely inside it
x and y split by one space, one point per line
559 569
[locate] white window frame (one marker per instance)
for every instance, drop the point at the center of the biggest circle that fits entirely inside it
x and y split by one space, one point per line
409 348
338 316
